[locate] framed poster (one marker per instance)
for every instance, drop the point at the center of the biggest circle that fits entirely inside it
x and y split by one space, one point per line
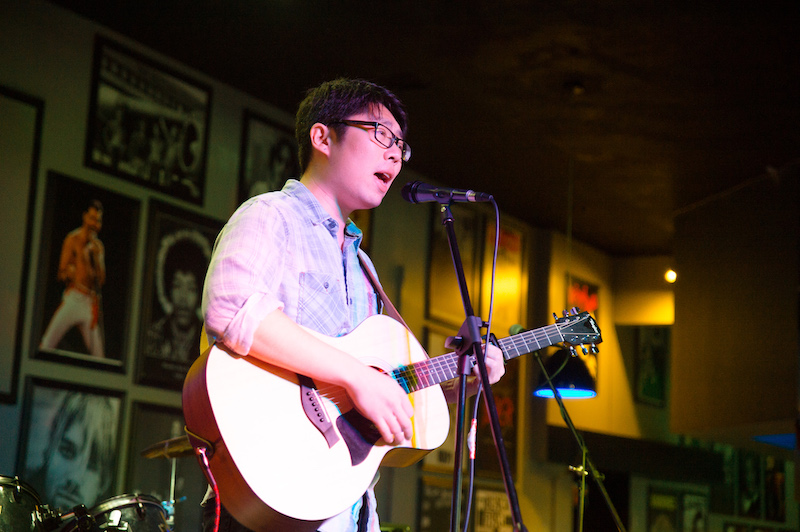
70 442
179 247
695 512
147 124
87 253
442 459
583 295
435 503
269 156
774 489
20 144
444 303
152 425
651 364
662 511
750 486
735 527
492 512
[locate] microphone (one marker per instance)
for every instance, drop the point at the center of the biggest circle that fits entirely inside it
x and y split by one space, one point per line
419 192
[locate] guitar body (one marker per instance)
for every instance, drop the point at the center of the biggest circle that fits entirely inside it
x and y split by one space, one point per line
276 467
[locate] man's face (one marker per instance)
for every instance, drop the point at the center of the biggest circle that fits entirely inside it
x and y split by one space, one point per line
364 169
184 294
93 220
72 478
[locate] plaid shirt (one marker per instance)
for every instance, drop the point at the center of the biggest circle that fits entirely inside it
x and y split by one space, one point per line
279 251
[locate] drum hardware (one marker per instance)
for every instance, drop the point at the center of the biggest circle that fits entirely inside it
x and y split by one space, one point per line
124 513
171 449
18 505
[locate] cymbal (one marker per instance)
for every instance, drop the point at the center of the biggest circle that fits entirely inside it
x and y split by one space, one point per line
171 448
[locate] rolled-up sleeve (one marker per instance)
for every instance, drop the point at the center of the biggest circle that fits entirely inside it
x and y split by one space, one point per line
243 279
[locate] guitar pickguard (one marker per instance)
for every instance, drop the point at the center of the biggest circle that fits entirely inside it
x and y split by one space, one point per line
359 433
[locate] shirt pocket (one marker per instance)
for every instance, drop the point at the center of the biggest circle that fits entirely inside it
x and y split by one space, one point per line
321 305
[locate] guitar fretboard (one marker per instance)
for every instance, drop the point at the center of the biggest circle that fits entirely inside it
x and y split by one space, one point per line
440 369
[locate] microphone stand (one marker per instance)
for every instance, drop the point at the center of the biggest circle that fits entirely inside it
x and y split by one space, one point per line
587 467
470 345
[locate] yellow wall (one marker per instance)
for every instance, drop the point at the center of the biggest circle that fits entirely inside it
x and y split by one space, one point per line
631 291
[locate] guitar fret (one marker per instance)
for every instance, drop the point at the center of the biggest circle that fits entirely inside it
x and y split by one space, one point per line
527 341
419 375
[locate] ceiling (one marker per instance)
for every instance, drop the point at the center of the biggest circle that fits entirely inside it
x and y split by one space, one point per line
632 109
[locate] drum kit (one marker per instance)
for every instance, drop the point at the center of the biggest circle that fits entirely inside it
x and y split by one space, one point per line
21 509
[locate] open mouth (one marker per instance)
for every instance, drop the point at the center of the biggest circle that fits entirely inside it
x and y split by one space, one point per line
383 177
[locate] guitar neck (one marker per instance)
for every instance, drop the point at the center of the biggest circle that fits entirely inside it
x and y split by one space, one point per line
443 368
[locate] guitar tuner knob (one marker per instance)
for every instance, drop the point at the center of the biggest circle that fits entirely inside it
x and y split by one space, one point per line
585 350
574 311
572 351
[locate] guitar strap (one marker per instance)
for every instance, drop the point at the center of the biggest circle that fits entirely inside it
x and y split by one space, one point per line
391 311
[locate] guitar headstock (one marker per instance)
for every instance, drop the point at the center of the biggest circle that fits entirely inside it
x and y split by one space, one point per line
579 329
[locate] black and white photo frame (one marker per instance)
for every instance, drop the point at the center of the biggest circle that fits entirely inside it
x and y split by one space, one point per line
179 245
147 123
269 156
70 442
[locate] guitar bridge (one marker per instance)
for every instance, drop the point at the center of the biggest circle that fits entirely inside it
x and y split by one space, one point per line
315 410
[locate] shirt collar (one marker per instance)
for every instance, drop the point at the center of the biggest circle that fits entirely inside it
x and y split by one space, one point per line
317 214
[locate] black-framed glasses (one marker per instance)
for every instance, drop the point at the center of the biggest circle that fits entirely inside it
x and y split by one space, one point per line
383 135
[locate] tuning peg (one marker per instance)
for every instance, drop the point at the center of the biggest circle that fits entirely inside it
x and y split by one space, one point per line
566 313
593 348
555 316
574 311
572 351
585 350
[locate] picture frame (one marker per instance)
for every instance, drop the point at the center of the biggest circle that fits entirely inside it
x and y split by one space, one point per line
583 295
774 489
444 302
510 278
152 425
492 512
81 317
663 509
435 503
695 508
441 459
147 124
750 485
179 245
651 364
69 443
735 527
20 147
504 392
268 157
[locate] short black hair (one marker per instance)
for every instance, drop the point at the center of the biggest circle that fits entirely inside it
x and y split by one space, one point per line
185 255
336 100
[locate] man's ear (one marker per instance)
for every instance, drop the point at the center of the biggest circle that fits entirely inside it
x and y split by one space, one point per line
321 138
